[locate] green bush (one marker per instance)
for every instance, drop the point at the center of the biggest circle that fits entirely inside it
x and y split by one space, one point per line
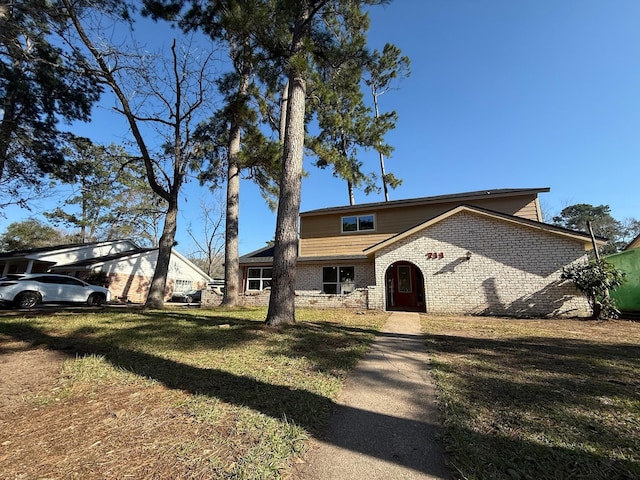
596 279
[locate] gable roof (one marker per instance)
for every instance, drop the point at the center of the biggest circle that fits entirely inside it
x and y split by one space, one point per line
41 251
64 257
457 197
635 243
262 255
108 258
100 261
552 229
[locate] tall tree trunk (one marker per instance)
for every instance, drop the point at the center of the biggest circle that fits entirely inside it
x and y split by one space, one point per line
282 299
231 255
352 198
155 298
284 105
83 226
382 171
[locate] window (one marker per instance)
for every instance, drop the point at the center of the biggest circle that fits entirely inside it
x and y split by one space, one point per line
60 281
337 280
360 223
181 286
258 278
404 279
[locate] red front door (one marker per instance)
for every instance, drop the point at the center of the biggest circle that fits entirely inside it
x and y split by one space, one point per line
405 287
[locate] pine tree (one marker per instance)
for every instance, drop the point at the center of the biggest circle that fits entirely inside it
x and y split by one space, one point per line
110 199
232 23
308 35
383 68
346 123
40 84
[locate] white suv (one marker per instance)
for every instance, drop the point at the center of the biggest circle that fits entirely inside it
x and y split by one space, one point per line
29 289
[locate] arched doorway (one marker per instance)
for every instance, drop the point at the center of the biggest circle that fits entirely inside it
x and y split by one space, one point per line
404 288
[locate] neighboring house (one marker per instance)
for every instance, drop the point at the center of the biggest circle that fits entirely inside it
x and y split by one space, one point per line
484 252
635 243
130 268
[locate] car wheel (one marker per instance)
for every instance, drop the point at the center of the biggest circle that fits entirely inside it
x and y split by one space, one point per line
95 300
188 300
27 299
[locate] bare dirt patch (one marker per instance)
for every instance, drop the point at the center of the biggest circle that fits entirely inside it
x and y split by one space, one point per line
104 431
26 370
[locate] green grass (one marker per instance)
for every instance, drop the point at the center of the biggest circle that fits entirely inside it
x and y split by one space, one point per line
538 399
254 393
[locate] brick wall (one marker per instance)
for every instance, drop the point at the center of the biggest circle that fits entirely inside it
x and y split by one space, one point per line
134 288
357 299
513 270
309 277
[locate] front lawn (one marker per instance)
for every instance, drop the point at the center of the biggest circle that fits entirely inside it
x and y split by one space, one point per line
538 399
182 393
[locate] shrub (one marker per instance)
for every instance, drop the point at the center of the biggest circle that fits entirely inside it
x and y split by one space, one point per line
596 279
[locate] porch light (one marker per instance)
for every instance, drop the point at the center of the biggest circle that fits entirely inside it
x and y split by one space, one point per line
468 256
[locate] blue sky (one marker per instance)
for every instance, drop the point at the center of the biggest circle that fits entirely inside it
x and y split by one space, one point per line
503 94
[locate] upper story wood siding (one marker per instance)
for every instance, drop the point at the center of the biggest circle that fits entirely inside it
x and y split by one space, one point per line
321 235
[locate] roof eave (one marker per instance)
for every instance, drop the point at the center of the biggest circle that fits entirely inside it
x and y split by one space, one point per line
466 196
584 238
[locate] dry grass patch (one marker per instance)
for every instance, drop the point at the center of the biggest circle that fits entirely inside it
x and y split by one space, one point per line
177 394
538 399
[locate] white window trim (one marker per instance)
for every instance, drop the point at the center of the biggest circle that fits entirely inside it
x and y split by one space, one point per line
182 285
261 279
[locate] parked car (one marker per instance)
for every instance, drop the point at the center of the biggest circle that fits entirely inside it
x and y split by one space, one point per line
187 297
29 289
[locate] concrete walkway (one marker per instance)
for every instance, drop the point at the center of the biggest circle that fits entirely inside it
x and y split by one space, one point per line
386 421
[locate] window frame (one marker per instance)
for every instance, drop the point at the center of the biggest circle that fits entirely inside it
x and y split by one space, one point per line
358 228
338 283
262 279
181 285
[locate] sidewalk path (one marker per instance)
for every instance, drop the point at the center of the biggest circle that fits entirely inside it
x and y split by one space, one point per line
386 420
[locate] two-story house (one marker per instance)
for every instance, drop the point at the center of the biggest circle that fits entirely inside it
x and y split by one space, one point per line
484 252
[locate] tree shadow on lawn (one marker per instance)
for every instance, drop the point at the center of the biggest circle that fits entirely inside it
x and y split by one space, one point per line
582 393
499 456
576 369
330 346
166 330
302 407
309 410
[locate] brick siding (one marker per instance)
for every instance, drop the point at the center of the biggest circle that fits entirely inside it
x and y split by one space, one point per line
309 277
513 270
134 288
357 299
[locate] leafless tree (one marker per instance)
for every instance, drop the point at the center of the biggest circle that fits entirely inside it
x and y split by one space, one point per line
209 242
162 100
